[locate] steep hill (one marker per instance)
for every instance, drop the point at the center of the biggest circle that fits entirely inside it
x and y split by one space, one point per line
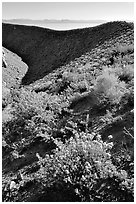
69 136
44 50
14 69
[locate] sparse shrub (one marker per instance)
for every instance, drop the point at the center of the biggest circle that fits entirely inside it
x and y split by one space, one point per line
122 50
42 87
6 96
69 76
83 86
127 101
127 59
127 73
107 118
125 49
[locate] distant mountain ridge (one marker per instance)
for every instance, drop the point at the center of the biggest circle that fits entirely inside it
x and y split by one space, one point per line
45 50
31 21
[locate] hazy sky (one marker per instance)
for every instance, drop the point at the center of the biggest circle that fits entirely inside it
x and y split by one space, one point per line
69 10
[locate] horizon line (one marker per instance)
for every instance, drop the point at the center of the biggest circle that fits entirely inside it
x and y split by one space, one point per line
100 20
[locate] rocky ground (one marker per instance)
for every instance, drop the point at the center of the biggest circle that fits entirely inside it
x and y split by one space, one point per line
66 101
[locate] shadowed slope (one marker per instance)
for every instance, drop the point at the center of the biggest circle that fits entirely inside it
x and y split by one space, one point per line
45 50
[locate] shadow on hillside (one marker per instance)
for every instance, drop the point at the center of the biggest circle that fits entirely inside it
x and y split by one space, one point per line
44 50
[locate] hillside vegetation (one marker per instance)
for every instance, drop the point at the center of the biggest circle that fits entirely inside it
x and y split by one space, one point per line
69 135
44 50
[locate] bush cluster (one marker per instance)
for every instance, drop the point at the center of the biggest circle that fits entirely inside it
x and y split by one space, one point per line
84 166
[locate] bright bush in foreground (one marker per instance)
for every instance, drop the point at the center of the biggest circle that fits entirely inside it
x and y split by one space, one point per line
84 166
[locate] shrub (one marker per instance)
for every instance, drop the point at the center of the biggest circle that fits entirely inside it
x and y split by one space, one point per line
69 76
109 86
29 115
127 73
6 96
83 166
83 86
125 49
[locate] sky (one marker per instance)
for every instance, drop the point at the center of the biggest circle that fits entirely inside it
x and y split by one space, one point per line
69 10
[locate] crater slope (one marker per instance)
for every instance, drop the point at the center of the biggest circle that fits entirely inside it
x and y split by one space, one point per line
69 136
45 50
